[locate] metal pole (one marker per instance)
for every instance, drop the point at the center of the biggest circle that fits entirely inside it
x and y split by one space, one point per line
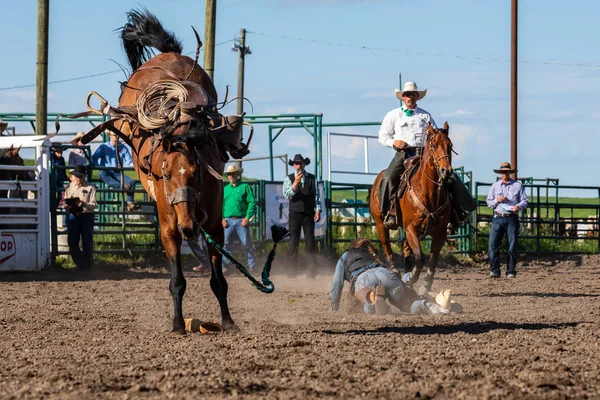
41 108
210 19
513 88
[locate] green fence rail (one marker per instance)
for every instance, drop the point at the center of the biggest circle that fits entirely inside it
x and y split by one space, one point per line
550 224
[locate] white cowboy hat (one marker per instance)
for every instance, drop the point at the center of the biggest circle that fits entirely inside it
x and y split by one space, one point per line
75 139
444 299
232 169
410 87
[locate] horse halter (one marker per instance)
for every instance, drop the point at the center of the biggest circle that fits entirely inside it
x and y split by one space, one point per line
181 194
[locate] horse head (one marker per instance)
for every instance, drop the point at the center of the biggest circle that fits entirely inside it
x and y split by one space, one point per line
439 149
181 180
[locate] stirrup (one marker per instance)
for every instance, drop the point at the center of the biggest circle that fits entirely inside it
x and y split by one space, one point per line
391 222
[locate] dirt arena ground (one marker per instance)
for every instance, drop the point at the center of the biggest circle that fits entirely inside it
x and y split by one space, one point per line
62 336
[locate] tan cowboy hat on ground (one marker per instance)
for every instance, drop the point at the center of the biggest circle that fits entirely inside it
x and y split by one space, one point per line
233 169
410 87
75 139
205 327
444 299
505 167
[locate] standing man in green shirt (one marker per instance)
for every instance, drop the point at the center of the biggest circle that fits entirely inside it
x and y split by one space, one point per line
238 208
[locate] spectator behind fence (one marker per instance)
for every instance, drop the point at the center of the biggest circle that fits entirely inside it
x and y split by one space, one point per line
77 156
506 197
106 156
300 188
238 208
60 174
80 203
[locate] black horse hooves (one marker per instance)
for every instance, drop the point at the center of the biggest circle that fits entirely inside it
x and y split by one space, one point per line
231 328
178 332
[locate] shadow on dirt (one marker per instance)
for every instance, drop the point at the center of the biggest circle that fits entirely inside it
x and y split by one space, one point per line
533 294
470 327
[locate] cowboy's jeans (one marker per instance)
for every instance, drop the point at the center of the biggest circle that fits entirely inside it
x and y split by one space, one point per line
379 276
500 227
391 178
200 250
113 180
81 226
304 221
235 225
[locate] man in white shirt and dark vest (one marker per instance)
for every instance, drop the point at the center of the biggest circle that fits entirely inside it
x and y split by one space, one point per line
300 188
403 129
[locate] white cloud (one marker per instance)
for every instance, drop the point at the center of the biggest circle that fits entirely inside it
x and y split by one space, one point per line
456 113
301 142
350 147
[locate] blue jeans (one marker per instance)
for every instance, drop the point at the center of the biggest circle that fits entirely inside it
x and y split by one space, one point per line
379 276
81 226
113 181
501 226
200 250
235 225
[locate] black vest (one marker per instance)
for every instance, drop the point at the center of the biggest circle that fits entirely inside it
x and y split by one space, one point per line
356 259
304 200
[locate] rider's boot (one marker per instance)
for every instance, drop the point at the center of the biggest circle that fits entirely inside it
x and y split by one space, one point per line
394 215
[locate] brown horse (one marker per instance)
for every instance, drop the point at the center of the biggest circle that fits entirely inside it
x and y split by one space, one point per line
425 205
167 114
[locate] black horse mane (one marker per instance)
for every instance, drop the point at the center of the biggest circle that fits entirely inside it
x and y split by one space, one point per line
142 32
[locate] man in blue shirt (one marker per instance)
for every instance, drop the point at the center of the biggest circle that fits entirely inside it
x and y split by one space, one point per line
106 156
506 197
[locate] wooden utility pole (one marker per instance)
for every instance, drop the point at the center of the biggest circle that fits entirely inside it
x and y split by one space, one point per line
513 88
41 81
242 50
210 20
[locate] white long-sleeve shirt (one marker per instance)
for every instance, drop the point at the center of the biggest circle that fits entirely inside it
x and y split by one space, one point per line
410 129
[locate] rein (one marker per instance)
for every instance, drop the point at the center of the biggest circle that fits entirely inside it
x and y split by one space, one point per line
430 215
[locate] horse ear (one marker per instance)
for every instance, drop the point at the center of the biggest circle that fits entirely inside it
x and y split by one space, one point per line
446 126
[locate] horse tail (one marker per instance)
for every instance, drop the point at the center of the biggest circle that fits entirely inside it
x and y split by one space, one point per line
143 31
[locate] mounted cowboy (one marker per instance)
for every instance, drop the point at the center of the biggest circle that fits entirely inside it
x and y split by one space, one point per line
404 130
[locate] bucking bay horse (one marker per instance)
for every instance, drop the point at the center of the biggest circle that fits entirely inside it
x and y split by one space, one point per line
168 114
425 205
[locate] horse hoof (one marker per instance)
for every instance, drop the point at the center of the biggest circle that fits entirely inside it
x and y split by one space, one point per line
230 327
178 332
423 291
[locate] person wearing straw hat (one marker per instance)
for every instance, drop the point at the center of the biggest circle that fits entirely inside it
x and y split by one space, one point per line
77 156
506 198
238 208
80 203
300 188
403 129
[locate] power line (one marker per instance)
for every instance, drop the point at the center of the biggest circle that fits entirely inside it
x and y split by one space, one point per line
421 53
78 78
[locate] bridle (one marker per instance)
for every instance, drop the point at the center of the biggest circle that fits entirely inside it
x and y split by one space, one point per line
435 161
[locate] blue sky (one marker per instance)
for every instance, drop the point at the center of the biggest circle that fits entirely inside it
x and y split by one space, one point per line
305 60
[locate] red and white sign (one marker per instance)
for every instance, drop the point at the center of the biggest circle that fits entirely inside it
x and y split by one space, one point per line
8 247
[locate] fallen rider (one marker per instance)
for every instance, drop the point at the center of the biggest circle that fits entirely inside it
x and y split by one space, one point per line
372 286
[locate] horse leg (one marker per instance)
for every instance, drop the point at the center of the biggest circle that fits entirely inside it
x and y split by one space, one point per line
437 242
171 239
384 238
219 286
415 244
